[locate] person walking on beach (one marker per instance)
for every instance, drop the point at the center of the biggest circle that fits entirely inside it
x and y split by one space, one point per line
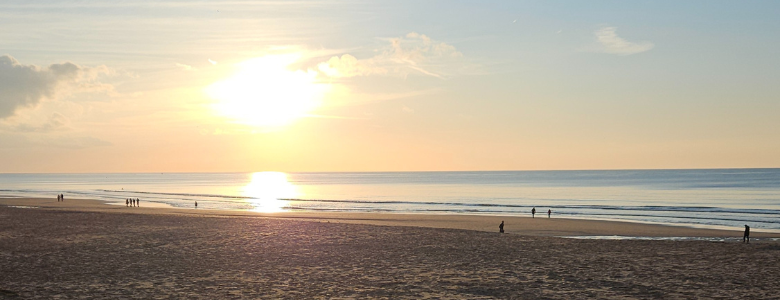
501 227
196 204
746 237
533 212
549 212
127 202
136 202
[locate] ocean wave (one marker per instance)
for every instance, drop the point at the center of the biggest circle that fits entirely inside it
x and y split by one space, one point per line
648 208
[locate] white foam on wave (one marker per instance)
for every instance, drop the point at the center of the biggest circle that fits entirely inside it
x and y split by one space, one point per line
664 238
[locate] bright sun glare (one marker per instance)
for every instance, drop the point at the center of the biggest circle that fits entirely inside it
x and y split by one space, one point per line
265 93
266 189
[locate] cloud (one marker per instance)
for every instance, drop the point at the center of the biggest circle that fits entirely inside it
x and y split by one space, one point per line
17 140
349 66
55 122
612 43
412 53
27 85
186 67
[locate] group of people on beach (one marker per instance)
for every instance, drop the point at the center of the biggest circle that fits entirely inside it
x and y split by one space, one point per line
533 213
130 202
60 198
745 237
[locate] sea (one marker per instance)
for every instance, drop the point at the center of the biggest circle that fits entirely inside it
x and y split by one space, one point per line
703 198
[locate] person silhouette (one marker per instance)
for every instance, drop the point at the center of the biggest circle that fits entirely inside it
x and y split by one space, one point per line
137 202
533 212
501 227
127 202
746 237
549 212
196 204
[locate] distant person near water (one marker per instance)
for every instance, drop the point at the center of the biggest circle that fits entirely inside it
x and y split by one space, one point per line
533 212
137 202
746 237
196 204
549 212
501 227
127 202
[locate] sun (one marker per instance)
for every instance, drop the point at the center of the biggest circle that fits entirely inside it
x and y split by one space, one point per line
266 93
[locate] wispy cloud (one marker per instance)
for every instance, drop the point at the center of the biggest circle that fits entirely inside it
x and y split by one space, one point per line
157 4
55 122
186 67
413 53
69 141
26 85
612 43
349 66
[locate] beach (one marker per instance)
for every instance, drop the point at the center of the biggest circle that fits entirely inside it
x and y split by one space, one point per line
87 249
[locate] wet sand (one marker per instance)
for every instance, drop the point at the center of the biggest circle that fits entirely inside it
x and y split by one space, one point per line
539 226
85 249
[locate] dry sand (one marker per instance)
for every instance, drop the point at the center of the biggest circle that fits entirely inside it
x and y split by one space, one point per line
85 249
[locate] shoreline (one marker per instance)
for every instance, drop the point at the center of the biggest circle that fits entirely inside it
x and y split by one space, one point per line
553 227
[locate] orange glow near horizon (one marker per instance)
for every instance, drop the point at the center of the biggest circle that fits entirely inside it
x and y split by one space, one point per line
266 190
265 93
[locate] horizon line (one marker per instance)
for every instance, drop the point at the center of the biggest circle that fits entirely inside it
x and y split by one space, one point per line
424 171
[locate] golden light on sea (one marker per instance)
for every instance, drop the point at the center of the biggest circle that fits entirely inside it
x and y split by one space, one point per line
266 93
266 190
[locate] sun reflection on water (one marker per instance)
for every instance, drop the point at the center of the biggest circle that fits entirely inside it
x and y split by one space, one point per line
266 189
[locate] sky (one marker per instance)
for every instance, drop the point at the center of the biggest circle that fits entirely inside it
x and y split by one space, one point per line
308 86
